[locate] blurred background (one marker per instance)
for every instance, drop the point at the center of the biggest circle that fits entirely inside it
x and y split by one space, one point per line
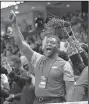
31 17
28 12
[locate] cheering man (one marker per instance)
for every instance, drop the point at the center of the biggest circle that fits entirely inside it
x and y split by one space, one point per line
53 75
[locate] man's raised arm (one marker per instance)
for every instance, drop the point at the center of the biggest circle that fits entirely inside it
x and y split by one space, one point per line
23 46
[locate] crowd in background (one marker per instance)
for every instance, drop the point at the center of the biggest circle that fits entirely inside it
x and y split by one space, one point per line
10 52
80 28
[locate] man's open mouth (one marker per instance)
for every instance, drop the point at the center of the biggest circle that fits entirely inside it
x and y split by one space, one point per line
48 49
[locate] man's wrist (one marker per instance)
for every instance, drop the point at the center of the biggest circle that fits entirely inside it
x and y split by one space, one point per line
14 24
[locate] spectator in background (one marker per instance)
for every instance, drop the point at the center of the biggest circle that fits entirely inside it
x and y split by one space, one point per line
4 78
39 20
5 88
27 65
4 93
79 92
15 64
24 63
2 45
22 83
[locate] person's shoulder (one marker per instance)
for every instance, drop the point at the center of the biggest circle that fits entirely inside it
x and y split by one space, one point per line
67 63
61 60
40 58
36 56
67 67
85 69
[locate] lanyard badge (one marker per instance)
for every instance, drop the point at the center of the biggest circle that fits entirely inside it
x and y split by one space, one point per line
42 82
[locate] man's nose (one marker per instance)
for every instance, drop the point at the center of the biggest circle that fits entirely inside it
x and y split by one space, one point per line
49 43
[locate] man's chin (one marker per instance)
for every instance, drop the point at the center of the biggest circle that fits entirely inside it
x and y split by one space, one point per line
48 55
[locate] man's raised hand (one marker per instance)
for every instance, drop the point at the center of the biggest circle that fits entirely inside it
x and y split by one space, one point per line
12 17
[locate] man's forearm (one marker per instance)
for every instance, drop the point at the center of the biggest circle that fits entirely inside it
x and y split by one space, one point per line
23 46
17 34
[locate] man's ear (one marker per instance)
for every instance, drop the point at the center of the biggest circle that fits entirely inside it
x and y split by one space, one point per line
58 46
43 43
58 49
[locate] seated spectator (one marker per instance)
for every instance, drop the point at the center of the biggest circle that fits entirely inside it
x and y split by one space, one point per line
19 78
17 70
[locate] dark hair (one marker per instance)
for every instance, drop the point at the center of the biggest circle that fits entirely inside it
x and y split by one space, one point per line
60 33
3 70
63 55
15 59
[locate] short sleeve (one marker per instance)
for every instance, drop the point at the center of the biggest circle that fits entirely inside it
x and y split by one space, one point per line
83 78
35 58
68 72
